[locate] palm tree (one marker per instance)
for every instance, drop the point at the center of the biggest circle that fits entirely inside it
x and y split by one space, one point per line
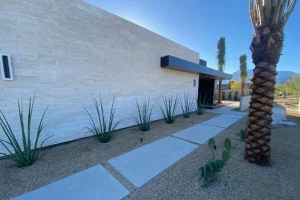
221 62
269 18
243 73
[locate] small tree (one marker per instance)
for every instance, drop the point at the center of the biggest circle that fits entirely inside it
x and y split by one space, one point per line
235 85
293 85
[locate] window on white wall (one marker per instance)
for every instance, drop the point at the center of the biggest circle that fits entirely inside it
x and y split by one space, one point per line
6 69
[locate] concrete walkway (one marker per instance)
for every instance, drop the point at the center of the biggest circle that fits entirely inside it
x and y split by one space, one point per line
138 166
93 183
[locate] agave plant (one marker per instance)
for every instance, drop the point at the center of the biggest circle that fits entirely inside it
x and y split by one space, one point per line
24 152
170 108
201 103
144 118
104 130
187 105
243 134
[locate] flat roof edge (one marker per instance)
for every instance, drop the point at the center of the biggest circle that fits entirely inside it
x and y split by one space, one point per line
172 62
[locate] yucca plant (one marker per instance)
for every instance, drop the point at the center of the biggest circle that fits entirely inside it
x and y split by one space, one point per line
23 152
144 118
103 130
187 105
170 108
201 103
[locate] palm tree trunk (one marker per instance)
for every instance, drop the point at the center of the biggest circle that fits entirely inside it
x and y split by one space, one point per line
266 49
242 89
220 91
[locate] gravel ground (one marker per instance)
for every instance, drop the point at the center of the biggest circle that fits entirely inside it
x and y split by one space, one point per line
64 160
238 180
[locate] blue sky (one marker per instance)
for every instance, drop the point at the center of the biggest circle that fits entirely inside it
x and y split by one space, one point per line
198 24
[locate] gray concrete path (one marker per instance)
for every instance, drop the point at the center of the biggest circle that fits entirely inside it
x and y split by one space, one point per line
199 133
93 183
144 163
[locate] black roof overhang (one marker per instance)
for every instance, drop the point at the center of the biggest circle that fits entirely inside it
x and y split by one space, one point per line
171 62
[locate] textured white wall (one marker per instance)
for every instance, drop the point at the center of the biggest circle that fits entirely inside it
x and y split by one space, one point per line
67 50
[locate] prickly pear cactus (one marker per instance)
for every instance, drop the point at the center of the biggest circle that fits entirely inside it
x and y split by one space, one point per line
210 170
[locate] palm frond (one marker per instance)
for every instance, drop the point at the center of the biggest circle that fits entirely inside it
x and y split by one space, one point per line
264 13
221 54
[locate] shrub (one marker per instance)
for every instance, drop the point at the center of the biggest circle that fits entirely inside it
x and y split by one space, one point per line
144 118
201 105
104 130
236 95
170 108
243 134
210 170
229 96
187 106
223 95
23 153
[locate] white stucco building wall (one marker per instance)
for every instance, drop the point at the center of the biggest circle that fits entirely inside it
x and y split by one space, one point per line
64 51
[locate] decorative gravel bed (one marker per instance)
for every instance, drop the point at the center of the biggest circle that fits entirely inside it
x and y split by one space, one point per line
66 159
238 179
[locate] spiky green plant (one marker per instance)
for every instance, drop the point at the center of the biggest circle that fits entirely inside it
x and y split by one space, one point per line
187 106
236 93
201 103
103 130
243 134
170 108
210 170
23 152
229 96
144 118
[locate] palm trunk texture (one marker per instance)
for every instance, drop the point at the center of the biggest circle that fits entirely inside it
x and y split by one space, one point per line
242 93
266 49
220 91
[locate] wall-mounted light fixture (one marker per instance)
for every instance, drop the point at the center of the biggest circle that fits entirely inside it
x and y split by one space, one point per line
5 67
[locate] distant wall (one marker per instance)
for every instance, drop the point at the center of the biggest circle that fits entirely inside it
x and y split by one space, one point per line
244 103
67 50
299 106
231 97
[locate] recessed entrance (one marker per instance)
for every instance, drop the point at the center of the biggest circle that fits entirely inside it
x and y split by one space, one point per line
206 90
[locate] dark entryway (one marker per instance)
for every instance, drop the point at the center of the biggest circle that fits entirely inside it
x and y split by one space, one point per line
206 90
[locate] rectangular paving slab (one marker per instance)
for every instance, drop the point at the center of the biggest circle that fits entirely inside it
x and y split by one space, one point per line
93 183
220 121
227 112
199 133
232 116
144 163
